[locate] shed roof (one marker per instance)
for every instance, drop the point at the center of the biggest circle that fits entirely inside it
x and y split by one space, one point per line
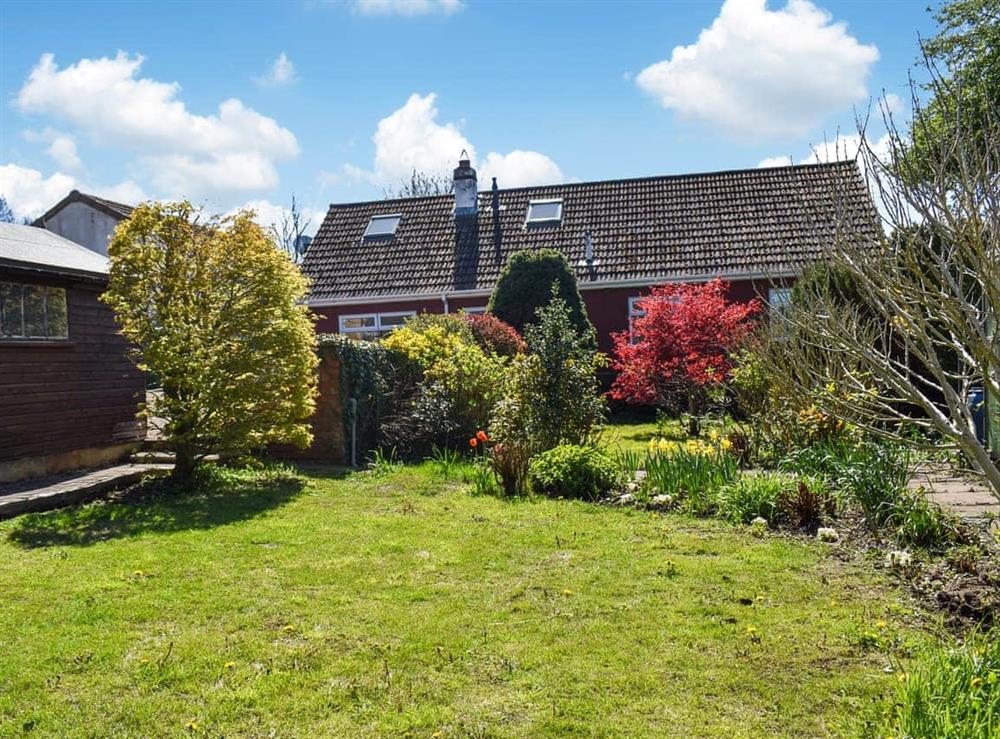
29 247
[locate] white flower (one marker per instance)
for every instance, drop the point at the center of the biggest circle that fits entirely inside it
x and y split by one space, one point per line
825 533
758 527
898 559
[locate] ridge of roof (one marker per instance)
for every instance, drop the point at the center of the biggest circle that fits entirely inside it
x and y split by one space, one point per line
110 207
838 164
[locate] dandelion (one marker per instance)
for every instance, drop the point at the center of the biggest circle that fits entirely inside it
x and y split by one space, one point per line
567 591
230 665
901 677
193 726
288 627
751 630
881 625
976 682
473 442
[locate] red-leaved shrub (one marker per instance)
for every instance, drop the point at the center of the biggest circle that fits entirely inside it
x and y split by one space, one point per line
493 335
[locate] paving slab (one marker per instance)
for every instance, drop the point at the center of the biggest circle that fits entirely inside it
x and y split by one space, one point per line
64 490
964 496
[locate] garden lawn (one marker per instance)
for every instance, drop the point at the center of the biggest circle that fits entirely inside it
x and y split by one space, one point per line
378 605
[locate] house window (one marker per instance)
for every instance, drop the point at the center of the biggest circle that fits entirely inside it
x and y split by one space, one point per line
779 297
634 312
544 211
475 309
32 312
371 326
382 227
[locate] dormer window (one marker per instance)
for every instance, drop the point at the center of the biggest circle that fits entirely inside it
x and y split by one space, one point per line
544 211
382 227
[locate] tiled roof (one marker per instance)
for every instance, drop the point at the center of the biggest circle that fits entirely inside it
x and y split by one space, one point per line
759 221
30 247
121 211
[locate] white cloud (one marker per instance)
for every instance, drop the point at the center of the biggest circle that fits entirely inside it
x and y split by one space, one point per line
407 7
281 73
843 148
186 154
411 138
270 215
776 162
761 72
519 168
62 147
29 193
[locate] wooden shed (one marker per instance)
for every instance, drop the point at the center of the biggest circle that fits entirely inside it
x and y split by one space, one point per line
68 390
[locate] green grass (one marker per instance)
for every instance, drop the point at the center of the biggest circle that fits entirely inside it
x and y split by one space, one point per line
621 435
399 603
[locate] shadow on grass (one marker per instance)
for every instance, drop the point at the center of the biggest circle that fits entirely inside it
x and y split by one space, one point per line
217 499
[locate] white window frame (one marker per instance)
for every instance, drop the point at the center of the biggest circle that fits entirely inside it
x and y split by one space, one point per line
478 309
633 313
366 236
377 328
778 298
529 221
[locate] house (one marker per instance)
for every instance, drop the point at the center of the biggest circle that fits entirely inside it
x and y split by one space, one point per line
374 263
86 219
68 390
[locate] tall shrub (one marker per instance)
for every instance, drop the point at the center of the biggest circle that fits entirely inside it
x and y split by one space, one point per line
525 285
217 311
550 395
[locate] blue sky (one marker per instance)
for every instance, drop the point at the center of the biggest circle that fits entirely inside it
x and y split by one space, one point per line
235 103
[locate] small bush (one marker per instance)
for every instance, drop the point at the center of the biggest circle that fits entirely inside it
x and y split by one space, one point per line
921 524
755 496
493 335
808 504
947 693
874 475
571 471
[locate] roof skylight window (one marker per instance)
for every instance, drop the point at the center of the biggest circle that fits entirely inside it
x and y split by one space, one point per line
544 211
382 227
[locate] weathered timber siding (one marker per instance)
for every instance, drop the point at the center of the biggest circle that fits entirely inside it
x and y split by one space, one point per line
58 398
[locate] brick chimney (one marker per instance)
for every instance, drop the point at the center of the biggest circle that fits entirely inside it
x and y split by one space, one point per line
466 190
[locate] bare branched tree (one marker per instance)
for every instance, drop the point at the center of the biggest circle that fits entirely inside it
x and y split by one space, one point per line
909 352
290 232
420 184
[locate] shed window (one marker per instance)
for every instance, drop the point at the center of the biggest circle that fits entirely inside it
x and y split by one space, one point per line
545 211
32 311
371 326
382 227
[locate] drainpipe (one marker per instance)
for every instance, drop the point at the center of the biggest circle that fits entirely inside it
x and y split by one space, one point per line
444 302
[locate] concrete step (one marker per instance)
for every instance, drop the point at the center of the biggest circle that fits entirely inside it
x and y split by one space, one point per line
152 457
44 495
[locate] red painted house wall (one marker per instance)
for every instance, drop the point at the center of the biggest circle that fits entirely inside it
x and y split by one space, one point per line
607 307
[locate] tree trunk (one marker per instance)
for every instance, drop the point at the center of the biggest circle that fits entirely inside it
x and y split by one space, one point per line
694 422
184 464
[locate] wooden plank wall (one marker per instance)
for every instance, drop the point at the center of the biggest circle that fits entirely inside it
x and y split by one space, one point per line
57 397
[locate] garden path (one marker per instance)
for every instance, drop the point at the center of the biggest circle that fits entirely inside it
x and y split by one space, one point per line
964 496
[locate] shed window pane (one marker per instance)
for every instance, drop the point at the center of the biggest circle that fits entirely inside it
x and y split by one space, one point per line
10 310
34 311
55 313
